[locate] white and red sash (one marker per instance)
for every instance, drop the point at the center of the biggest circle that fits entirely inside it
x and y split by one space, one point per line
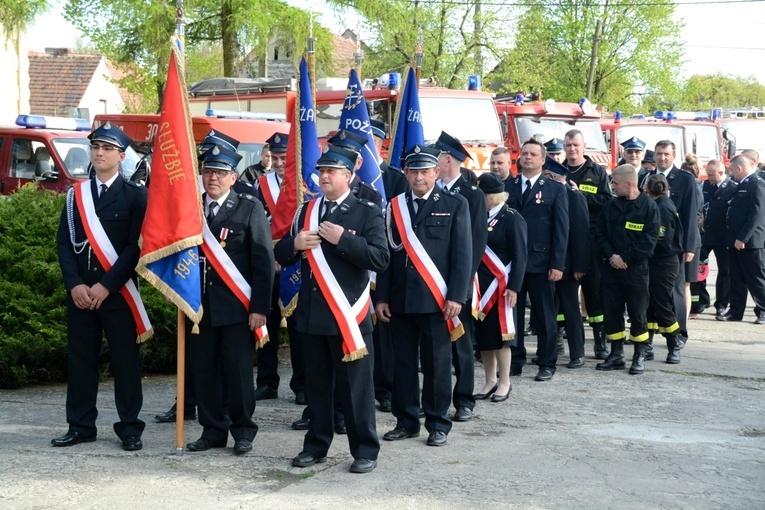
495 294
224 266
347 317
107 256
422 262
269 185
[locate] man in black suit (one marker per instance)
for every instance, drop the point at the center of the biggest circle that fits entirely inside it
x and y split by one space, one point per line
745 238
422 292
353 142
236 290
253 172
338 239
576 265
683 191
451 180
718 189
544 205
499 164
97 301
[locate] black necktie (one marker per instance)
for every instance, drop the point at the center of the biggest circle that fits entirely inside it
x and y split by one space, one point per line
103 190
328 206
420 203
526 192
211 214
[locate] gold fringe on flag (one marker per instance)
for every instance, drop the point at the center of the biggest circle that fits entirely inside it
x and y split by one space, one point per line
457 332
358 354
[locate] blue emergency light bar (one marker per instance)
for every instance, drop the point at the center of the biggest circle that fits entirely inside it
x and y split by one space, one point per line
474 82
519 98
585 105
42 122
617 115
716 113
232 114
394 80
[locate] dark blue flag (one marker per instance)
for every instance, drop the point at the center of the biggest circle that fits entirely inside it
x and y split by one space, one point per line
408 123
355 118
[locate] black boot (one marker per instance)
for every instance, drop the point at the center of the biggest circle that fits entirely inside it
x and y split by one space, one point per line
649 356
673 349
638 359
615 360
601 350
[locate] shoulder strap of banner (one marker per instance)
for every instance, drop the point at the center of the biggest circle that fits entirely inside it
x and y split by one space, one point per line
495 294
220 261
422 262
269 187
347 317
107 256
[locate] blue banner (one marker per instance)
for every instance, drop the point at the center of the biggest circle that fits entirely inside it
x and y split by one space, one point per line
307 143
179 273
355 118
408 123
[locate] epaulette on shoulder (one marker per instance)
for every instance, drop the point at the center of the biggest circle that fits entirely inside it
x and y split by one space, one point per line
134 184
474 187
364 201
246 196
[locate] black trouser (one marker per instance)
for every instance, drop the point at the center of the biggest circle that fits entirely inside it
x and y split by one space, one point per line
383 347
85 330
541 292
747 273
268 355
328 377
225 351
626 287
297 381
428 335
591 290
678 296
722 282
567 291
661 308
463 362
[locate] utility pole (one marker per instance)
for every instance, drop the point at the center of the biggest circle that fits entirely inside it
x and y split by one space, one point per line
478 39
593 58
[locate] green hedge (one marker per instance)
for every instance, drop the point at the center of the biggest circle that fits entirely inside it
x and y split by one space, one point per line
33 345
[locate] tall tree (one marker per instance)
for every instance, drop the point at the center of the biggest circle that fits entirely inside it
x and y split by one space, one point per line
15 15
639 51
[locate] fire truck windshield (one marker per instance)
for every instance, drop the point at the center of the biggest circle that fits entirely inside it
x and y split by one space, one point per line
75 153
652 133
467 119
551 127
703 140
749 134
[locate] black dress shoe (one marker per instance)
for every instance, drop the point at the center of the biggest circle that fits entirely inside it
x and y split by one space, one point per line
340 428
300 398
202 444
720 311
543 375
501 398
71 439
386 405
400 433
363 466
132 443
437 438
266 393
169 417
307 459
242 446
484 396
575 363
760 319
728 317
463 414
301 424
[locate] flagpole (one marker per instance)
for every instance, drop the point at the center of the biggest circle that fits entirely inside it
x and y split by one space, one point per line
180 402
418 52
357 55
311 60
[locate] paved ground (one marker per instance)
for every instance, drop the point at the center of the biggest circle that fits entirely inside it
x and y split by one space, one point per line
679 436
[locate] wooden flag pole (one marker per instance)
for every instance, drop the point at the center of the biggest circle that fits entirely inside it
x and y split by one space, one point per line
180 402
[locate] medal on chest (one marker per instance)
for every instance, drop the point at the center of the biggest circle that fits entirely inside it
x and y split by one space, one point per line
223 235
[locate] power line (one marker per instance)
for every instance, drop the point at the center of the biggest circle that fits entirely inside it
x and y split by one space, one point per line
657 3
724 47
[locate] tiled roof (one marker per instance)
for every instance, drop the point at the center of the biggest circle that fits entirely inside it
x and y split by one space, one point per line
58 80
342 55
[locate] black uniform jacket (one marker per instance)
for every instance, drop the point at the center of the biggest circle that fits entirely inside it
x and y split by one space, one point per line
592 180
121 211
443 228
578 252
546 215
670 230
629 228
716 198
683 191
394 180
746 214
477 205
361 189
507 239
248 244
362 248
